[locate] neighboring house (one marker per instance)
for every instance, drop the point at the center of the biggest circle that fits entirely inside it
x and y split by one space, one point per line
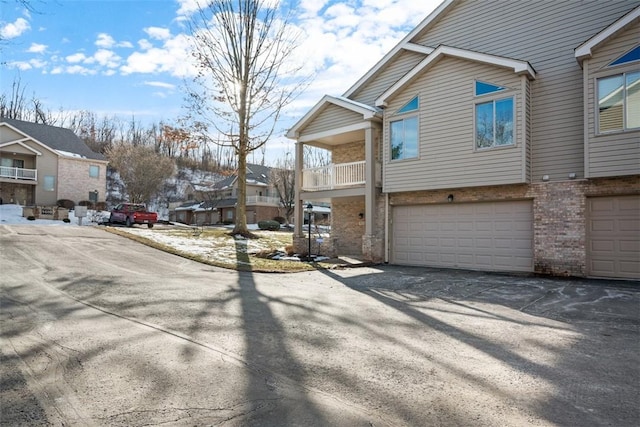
41 164
497 135
220 200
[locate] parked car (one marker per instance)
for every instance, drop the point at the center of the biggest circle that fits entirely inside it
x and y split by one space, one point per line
133 213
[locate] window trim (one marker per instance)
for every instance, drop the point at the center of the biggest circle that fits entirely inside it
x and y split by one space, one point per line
485 99
629 68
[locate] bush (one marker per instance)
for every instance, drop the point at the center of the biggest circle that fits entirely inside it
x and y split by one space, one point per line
227 222
269 225
280 219
65 203
101 206
87 203
31 218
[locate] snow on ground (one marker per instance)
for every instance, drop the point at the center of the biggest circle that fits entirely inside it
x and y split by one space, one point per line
187 241
12 214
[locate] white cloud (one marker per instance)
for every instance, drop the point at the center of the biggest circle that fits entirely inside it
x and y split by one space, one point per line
106 41
37 48
79 69
107 58
158 33
160 84
172 58
14 29
76 58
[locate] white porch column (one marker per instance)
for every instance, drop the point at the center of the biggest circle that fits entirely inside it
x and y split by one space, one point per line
370 180
298 209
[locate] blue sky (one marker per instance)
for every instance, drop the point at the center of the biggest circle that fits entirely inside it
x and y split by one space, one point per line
128 58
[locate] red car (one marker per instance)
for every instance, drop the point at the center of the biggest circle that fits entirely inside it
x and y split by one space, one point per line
132 213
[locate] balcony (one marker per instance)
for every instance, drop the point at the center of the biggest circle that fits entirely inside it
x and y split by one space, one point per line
334 176
263 200
18 173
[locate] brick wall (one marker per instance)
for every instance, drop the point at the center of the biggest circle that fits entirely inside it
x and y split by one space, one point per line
74 182
347 228
346 153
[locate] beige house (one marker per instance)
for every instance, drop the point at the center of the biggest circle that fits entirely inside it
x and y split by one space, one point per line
41 164
498 136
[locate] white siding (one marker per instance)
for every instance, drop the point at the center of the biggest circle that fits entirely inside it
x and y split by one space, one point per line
447 155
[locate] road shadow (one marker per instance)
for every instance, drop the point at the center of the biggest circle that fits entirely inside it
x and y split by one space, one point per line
583 346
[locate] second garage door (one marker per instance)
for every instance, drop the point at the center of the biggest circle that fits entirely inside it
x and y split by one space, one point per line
496 236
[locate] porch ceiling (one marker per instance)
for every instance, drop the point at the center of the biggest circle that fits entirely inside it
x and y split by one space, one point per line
331 140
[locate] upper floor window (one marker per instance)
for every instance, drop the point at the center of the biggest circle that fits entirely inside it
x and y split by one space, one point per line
494 123
404 132
94 171
482 88
631 56
619 102
493 118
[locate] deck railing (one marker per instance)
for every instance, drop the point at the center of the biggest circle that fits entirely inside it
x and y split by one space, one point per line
333 176
18 173
263 200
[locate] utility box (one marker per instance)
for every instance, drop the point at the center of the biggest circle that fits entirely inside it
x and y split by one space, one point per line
80 212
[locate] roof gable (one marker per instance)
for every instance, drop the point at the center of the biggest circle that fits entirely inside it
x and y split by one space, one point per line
367 111
405 44
518 67
23 145
585 50
60 140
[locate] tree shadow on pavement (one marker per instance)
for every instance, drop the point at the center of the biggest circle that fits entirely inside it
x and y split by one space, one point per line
541 346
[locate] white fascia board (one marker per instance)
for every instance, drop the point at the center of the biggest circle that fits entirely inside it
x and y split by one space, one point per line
333 132
584 51
431 18
413 47
23 145
518 67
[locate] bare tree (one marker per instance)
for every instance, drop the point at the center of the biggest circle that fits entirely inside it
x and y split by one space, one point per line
141 169
243 49
283 180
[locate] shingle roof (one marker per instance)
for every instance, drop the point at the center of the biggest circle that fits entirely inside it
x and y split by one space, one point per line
57 138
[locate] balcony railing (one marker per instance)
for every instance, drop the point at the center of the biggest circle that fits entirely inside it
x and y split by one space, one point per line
333 176
263 200
18 173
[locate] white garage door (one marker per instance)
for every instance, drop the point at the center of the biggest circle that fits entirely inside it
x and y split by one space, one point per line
495 236
613 237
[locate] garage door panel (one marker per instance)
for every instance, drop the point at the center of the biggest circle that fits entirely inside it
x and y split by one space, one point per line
613 236
486 236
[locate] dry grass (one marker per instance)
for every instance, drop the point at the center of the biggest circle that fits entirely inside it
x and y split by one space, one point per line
215 246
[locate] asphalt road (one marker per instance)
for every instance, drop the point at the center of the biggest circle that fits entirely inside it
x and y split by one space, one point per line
99 330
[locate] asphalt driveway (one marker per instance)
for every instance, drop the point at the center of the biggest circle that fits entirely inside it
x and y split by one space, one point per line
99 330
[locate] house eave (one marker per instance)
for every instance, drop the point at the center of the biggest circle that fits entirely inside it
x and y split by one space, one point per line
585 50
519 67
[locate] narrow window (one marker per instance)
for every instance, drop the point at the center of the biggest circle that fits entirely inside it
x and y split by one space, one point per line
494 123
404 138
49 183
94 171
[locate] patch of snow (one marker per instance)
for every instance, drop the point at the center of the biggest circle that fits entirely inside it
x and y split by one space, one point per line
12 214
